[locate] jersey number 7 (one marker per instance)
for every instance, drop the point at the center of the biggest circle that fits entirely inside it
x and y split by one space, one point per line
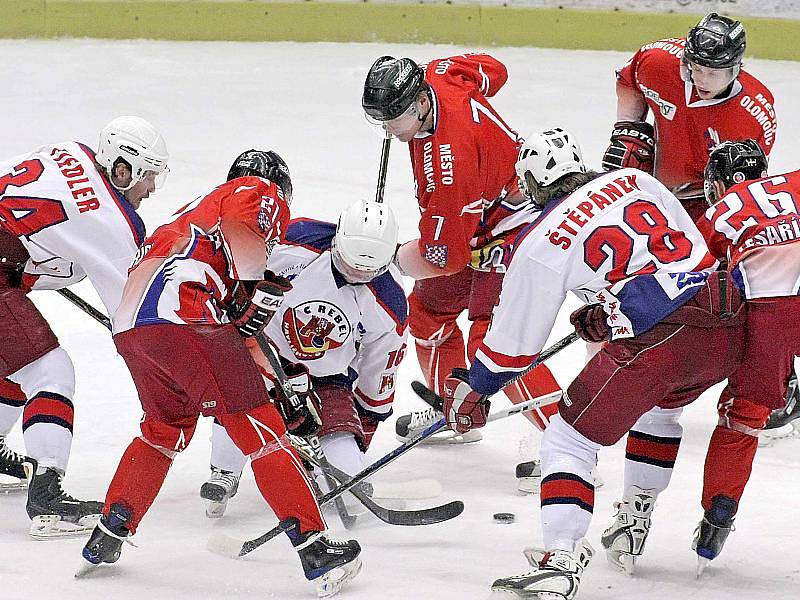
24 216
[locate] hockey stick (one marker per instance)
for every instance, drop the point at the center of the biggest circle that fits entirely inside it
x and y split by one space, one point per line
348 520
228 546
425 516
435 400
384 164
86 307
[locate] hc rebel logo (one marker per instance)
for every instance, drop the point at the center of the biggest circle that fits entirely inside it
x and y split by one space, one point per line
312 328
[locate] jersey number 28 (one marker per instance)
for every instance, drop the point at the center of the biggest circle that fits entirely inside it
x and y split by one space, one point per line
665 244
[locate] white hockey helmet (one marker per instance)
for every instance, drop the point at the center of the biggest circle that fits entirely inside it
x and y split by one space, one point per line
137 142
365 241
546 157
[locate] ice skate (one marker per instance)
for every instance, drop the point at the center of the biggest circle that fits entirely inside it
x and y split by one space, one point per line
105 543
783 424
15 469
221 486
624 540
54 513
556 575
411 425
529 477
329 563
713 530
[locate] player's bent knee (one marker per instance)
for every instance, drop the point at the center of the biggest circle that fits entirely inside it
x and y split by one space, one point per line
566 449
255 429
53 372
339 411
740 413
168 438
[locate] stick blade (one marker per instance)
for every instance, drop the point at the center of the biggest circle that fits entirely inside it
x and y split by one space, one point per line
225 545
428 395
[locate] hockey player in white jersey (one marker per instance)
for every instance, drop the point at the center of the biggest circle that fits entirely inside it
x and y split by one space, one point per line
622 243
345 321
66 213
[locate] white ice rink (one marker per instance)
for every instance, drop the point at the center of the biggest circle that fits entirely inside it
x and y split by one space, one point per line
213 100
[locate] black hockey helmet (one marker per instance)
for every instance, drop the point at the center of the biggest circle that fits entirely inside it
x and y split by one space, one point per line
716 42
391 86
263 163
732 163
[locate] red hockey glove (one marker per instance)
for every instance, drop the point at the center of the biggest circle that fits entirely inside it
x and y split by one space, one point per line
590 323
464 408
304 418
254 302
633 144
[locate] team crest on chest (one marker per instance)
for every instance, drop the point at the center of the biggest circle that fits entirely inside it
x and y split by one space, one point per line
312 328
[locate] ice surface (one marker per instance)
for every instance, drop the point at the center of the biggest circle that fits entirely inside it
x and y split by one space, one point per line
213 100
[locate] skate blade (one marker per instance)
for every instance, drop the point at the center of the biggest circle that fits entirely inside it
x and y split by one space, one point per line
85 568
529 485
770 437
444 438
48 527
7 487
414 489
702 563
331 582
500 590
215 510
625 563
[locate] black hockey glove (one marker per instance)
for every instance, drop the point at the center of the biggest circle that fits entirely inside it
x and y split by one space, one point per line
304 417
633 144
254 302
590 323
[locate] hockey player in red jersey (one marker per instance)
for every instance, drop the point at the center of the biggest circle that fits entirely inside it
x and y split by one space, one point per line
753 225
699 95
462 156
66 213
197 289
345 321
622 243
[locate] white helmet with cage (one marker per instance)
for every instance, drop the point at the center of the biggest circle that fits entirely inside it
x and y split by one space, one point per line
546 157
365 241
135 141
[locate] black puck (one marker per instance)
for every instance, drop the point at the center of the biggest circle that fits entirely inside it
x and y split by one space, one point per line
505 518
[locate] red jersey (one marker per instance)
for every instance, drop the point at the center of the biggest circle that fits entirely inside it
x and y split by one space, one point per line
756 227
687 127
464 170
185 272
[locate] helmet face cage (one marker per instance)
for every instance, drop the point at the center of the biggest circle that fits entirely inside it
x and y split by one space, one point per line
352 273
731 163
716 42
266 164
392 84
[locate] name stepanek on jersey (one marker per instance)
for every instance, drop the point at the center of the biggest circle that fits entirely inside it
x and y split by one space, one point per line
622 239
349 334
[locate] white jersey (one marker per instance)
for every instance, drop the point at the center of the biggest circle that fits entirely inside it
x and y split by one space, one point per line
622 239
71 221
350 334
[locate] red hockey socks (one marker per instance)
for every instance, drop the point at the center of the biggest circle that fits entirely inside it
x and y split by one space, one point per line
280 476
732 448
538 382
138 479
438 359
